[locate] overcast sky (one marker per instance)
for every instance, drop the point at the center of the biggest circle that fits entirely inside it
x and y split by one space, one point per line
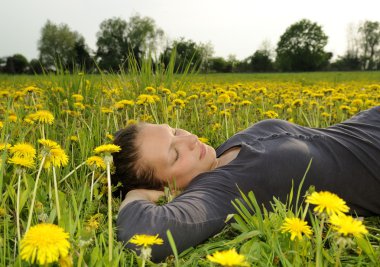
235 27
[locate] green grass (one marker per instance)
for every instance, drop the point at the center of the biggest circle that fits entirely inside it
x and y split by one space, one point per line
85 216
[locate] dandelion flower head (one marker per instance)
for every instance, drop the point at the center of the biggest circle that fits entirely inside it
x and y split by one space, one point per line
296 227
23 150
56 157
146 240
109 148
4 146
228 258
43 116
347 225
97 162
49 144
44 244
327 202
25 162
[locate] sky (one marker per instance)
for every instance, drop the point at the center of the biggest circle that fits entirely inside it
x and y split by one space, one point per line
233 27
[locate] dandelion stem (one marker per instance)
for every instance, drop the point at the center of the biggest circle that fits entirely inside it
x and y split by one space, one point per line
34 193
56 195
92 185
110 234
318 261
18 206
70 173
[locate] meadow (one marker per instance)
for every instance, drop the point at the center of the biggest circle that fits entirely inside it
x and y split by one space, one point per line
56 163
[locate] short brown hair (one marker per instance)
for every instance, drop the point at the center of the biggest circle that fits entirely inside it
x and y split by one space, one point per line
128 173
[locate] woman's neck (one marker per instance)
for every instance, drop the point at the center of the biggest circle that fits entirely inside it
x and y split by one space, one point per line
228 156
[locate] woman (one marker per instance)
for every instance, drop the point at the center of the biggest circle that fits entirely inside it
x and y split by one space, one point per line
265 158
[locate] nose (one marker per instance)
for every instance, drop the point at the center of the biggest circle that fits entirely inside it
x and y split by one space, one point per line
190 140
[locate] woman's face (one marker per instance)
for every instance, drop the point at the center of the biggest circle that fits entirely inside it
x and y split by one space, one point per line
176 155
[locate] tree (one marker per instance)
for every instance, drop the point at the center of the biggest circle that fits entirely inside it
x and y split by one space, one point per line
117 39
35 66
83 58
301 47
57 45
112 44
219 64
370 44
188 54
16 64
143 36
260 61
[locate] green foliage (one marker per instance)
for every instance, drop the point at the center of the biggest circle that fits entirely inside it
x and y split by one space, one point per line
16 64
58 46
255 233
260 61
370 45
188 54
118 40
112 44
301 47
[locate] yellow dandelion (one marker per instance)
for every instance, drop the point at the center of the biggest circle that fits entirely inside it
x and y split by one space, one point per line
347 225
181 93
223 99
93 222
228 258
77 97
44 244
245 103
150 89
109 148
296 227
166 91
179 103
297 103
96 162
327 202
144 99
203 140
3 212
271 114
344 108
127 102
56 157
225 112
4 146
12 118
131 121
1 125
66 261
49 144
192 97
24 162
73 138
146 240
79 105
23 150
106 110
43 116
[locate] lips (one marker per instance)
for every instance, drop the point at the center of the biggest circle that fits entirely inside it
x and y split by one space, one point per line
202 150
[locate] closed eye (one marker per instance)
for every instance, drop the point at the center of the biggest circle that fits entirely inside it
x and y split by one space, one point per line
175 132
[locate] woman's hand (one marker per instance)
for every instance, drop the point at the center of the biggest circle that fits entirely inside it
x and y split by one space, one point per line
141 194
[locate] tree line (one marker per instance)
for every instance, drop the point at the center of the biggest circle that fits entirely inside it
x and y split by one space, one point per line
300 48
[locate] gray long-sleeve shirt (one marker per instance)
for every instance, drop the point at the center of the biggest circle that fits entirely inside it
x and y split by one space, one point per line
345 160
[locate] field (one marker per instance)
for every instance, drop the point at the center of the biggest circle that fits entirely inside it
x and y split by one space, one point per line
52 173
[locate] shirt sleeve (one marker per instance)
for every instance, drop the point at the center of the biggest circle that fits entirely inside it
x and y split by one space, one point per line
192 217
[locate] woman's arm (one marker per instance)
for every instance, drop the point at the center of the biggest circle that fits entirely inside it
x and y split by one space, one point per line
141 194
192 217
